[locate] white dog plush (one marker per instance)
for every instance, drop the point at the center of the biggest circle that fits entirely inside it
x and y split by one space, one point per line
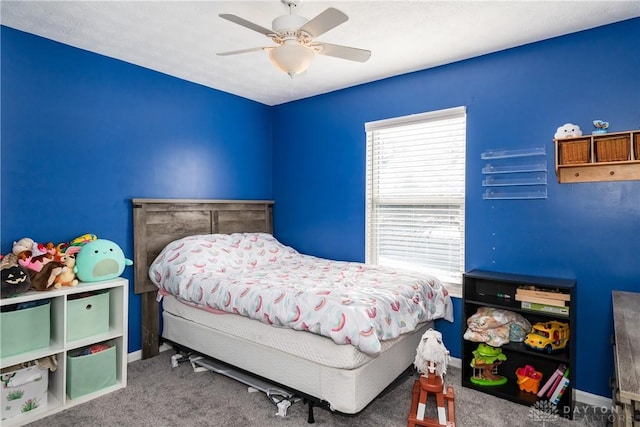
431 351
568 130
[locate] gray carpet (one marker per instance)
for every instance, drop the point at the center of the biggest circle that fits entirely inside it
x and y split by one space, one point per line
160 396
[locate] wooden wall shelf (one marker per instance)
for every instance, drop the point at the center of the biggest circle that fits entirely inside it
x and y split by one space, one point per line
598 158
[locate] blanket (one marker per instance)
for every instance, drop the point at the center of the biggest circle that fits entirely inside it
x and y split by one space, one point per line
254 275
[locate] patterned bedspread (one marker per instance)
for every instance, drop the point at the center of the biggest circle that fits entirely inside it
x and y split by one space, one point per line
254 275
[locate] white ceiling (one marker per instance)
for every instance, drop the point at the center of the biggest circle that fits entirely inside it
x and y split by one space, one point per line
181 38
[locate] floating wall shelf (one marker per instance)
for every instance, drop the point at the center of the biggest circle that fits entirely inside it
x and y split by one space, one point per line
515 174
515 194
507 154
501 180
527 167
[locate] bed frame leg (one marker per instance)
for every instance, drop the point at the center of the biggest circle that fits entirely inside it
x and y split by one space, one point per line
310 418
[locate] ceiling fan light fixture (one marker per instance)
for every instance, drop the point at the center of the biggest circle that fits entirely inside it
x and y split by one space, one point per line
295 35
293 59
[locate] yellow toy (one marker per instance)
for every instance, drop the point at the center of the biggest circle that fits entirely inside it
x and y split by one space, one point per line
72 247
85 238
548 336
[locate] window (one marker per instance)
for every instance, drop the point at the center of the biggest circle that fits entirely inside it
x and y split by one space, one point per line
415 193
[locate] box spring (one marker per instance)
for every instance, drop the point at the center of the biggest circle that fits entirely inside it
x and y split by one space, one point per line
338 374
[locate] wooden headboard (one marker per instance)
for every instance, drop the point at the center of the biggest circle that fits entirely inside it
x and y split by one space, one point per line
157 222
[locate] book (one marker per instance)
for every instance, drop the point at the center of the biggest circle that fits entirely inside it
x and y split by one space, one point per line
539 300
563 311
554 386
543 294
560 388
552 380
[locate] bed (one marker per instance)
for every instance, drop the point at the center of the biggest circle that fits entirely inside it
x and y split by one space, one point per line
236 313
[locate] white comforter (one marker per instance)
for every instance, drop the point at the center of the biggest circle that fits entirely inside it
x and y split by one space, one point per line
254 275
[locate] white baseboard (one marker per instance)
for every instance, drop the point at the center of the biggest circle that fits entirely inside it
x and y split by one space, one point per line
455 362
137 355
593 399
134 356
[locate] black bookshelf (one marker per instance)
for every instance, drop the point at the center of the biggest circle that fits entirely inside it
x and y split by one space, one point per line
498 290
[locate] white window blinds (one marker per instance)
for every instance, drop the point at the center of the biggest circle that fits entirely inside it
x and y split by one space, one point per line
415 192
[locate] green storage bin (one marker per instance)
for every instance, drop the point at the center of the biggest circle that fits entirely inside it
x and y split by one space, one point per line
87 316
90 373
25 330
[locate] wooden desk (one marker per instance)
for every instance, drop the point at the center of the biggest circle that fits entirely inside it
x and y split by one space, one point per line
626 318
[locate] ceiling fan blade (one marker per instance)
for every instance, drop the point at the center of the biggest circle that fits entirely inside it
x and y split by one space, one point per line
247 24
324 22
344 52
235 52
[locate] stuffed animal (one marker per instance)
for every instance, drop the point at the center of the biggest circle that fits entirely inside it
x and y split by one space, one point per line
63 249
25 259
72 247
568 130
33 255
67 277
81 240
24 244
47 250
100 259
43 252
14 280
43 280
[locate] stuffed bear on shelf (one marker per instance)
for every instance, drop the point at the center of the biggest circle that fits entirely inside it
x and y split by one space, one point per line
67 277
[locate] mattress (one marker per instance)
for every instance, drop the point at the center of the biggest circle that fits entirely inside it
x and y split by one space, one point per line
341 375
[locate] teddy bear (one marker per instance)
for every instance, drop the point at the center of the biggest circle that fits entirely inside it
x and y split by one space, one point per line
66 277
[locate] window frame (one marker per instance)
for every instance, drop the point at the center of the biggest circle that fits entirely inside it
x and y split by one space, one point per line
374 199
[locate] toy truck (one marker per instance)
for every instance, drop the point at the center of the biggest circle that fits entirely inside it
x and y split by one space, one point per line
548 336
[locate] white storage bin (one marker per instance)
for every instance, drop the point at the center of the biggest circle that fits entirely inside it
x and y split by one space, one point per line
23 390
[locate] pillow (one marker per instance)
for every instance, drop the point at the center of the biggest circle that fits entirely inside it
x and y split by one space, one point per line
192 254
217 253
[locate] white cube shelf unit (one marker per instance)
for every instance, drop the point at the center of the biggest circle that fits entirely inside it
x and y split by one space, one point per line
60 346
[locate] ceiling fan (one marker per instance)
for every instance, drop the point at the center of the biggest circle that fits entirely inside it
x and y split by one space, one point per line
295 35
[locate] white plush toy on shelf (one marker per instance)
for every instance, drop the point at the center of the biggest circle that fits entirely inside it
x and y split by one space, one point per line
568 130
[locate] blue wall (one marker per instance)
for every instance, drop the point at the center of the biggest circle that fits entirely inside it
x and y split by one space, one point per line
82 134
515 99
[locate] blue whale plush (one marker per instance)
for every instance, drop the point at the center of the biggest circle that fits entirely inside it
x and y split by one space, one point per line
99 260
